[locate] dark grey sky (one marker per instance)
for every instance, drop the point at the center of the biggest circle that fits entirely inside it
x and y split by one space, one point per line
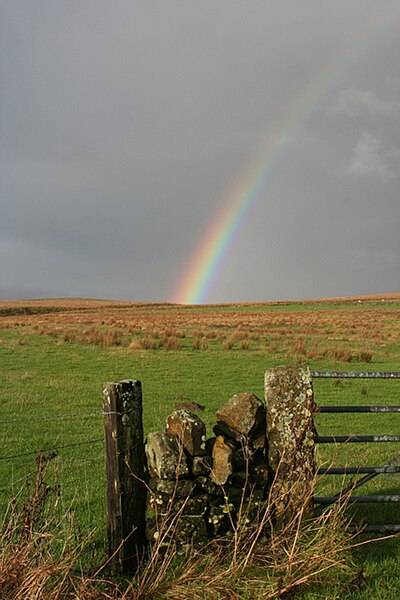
125 124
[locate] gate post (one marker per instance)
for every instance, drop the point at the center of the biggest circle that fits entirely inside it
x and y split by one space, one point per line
290 437
126 493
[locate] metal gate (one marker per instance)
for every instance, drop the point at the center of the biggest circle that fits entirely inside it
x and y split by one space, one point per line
368 472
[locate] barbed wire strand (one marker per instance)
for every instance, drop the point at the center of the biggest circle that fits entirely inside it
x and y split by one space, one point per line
49 417
96 413
14 483
52 448
70 459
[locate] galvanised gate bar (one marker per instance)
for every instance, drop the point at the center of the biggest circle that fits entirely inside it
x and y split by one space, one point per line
392 466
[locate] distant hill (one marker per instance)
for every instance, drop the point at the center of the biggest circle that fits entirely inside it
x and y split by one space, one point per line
67 304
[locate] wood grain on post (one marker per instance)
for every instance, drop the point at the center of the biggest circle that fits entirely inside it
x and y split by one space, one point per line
126 492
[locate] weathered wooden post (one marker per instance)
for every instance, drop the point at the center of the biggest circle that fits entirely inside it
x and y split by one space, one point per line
290 437
126 492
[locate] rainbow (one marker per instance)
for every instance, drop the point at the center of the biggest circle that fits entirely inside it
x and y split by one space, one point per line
204 266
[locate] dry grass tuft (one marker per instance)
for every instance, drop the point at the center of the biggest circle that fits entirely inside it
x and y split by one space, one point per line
199 343
316 332
38 560
256 560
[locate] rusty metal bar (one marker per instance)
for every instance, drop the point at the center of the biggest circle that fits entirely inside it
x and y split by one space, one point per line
384 529
342 439
370 472
356 374
357 470
358 409
354 485
332 499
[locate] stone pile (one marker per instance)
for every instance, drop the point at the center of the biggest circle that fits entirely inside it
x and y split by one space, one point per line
199 485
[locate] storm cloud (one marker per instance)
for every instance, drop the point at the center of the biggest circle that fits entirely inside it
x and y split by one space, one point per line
125 124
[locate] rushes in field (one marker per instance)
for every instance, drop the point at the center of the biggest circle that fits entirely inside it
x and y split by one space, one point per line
256 560
36 563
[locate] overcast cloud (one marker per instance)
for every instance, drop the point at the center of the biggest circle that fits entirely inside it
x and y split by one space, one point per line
124 124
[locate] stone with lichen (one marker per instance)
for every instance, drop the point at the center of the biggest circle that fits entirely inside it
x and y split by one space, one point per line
204 484
221 515
243 418
290 436
222 453
201 465
179 488
189 529
164 504
165 459
189 429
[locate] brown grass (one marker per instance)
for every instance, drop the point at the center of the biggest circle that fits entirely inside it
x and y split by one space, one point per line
40 561
256 560
360 335
37 561
171 343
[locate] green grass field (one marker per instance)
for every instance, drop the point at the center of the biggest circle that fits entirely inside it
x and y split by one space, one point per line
51 396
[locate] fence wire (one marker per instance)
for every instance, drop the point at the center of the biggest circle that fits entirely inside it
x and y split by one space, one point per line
52 448
50 417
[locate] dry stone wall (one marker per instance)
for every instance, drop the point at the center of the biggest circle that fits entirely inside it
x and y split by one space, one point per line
198 484
201 482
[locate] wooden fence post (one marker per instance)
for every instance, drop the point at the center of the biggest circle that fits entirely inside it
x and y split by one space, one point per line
126 492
